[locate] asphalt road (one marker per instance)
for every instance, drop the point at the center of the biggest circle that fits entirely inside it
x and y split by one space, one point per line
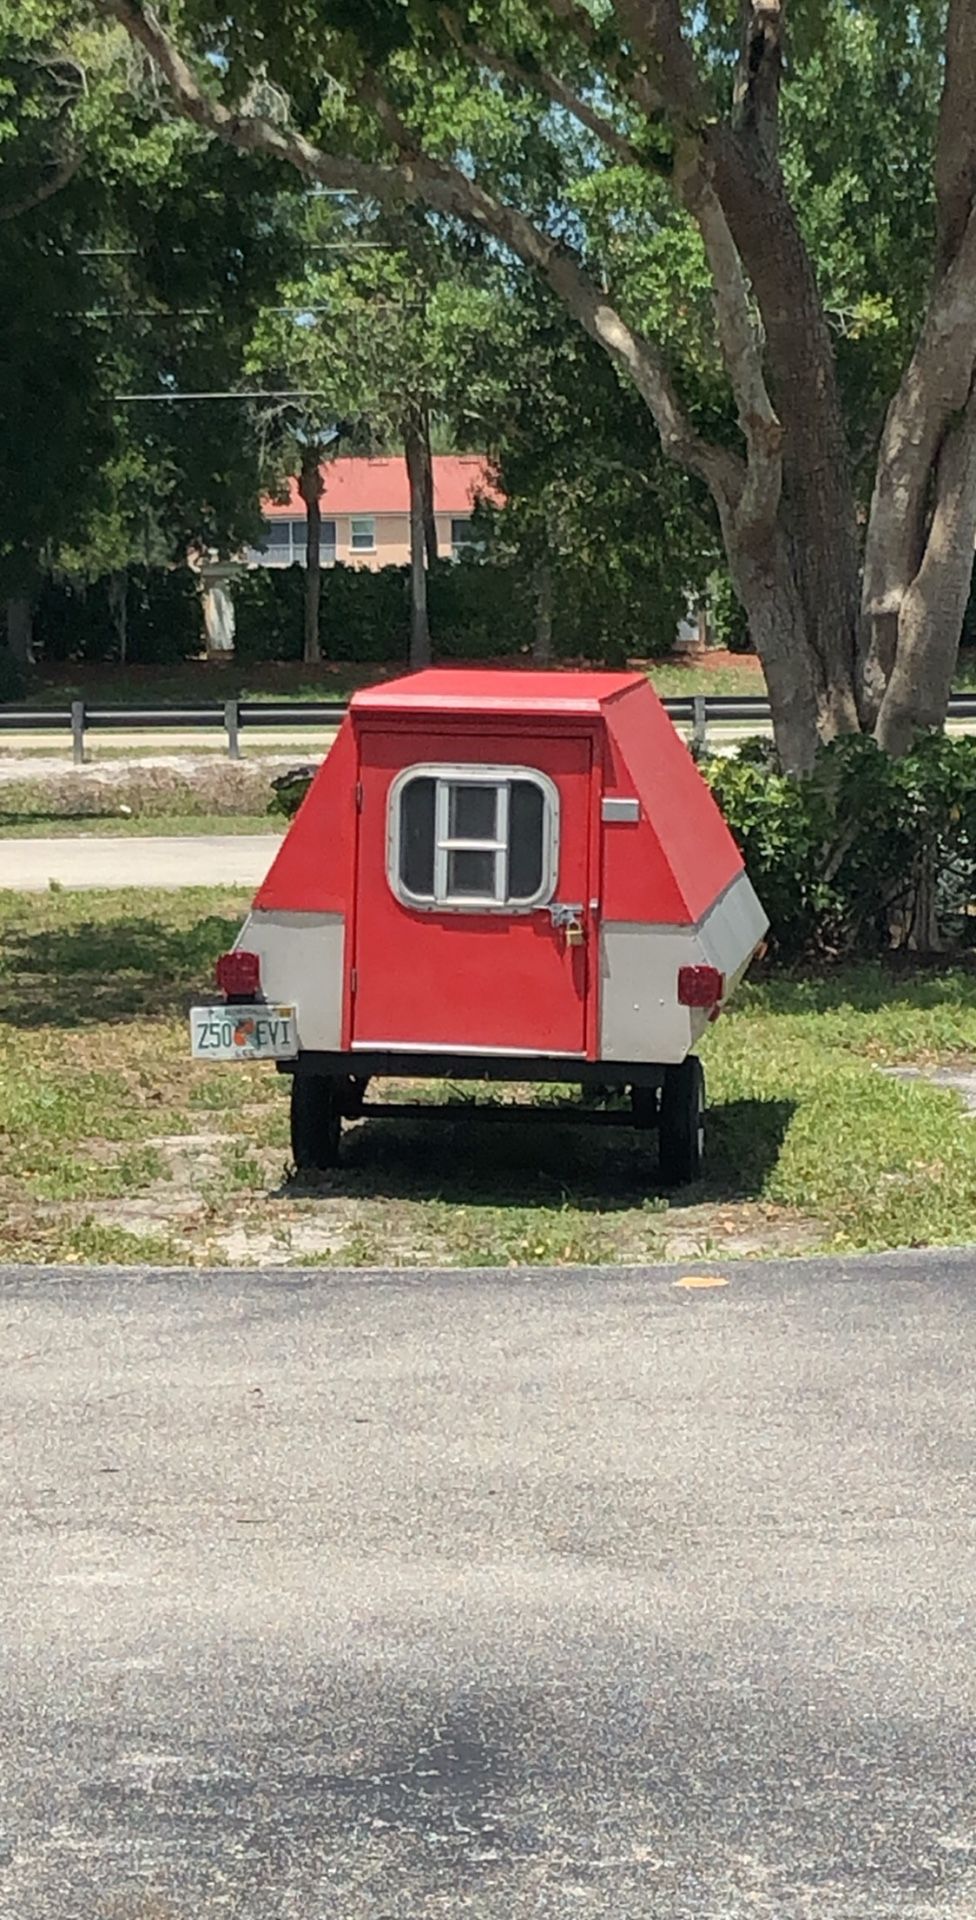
133 860
410 1595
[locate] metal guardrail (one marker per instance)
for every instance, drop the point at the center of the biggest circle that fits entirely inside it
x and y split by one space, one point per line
695 710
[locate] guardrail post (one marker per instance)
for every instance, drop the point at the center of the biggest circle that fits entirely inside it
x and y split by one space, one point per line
700 712
232 722
78 732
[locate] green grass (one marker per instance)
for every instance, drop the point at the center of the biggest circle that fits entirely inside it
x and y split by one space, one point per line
109 826
112 1146
203 682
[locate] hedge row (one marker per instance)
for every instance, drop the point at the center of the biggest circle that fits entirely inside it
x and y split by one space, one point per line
76 620
478 610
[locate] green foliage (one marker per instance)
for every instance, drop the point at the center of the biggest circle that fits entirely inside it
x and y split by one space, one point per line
729 624
479 610
288 791
13 680
75 619
864 853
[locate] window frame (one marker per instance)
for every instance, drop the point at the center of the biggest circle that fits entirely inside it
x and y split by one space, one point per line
446 776
292 552
362 520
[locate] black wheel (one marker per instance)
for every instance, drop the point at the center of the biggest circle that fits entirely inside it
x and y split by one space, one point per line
681 1138
316 1122
644 1106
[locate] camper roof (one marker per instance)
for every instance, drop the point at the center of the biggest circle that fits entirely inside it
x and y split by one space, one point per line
494 690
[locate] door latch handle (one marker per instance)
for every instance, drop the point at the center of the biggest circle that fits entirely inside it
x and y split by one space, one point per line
563 915
568 920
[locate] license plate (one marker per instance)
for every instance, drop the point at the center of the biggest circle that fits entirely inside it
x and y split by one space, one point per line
243 1033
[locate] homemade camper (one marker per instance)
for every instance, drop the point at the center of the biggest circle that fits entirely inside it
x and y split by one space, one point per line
513 876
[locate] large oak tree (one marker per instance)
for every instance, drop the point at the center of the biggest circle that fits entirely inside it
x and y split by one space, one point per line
855 609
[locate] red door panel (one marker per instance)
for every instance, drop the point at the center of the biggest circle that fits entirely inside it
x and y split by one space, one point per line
499 980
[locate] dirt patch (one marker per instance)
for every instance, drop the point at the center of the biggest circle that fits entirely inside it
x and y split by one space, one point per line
222 1198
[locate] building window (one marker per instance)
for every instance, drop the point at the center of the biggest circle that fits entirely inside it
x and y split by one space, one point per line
362 534
463 538
283 544
473 838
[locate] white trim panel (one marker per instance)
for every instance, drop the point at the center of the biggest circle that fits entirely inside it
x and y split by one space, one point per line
640 1018
301 965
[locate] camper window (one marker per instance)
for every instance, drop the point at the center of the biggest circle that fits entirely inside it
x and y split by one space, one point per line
473 838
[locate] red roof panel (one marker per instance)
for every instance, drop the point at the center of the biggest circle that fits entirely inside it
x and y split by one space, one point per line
495 690
381 486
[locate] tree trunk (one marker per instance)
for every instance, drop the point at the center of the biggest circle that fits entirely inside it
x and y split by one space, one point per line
542 634
311 488
20 628
430 517
118 606
818 493
764 576
414 447
925 620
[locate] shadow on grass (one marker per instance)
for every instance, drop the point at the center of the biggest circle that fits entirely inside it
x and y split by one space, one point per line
461 1162
97 970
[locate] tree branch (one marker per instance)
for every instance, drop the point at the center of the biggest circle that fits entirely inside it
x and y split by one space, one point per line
656 35
741 350
634 80
934 387
47 189
543 80
755 105
955 151
419 177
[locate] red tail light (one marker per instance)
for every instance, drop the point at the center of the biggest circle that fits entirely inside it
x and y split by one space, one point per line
700 986
239 973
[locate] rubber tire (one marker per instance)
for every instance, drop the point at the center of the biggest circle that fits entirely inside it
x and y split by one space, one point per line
681 1134
316 1122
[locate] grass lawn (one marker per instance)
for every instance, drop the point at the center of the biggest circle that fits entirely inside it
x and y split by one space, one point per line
113 1147
203 681
60 826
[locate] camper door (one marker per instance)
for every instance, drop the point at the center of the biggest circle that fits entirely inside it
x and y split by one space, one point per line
473 930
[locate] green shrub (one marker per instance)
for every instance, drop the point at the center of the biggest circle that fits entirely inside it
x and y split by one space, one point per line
864 853
268 613
165 618
363 615
13 680
74 620
479 610
289 790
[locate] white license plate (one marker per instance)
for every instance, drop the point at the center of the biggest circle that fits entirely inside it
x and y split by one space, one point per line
243 1033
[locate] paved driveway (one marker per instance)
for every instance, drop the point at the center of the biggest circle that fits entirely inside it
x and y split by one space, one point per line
494 1594
203 860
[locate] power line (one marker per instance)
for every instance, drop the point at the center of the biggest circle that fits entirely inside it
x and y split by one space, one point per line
311 246
169 398
366 308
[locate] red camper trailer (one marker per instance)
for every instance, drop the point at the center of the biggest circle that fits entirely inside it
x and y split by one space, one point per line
494 875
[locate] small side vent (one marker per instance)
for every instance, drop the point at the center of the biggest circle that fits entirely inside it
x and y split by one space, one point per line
620 808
